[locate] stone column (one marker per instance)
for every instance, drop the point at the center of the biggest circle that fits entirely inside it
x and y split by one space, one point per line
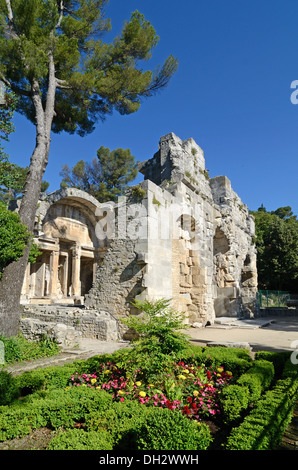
76 270
54 263
65 275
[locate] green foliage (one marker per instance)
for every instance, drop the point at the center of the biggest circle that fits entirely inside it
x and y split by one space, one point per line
54 409
120 420
277 358
138 192
277 246
264 426
13 237
17 348
236 360
158 324
79 439
8 388
94 77
165 430
106 177
257 379
159 338
236 398
7 107
12 180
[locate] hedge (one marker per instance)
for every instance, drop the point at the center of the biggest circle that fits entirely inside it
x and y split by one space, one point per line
51 409
79 439
237 397
263 427
165 430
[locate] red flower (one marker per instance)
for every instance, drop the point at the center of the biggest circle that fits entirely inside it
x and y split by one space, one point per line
208 375
186 410
189 400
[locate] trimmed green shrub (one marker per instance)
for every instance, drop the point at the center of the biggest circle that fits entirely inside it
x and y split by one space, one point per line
290 370
234 400
263 428
120 420
164 429
236 360
8 388
50 377
257 379
78 439
278 359
57 408
237 397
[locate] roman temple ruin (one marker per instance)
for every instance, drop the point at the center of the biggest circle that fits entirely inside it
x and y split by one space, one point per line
178 235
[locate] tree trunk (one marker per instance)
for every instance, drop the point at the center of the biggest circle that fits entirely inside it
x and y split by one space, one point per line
13 275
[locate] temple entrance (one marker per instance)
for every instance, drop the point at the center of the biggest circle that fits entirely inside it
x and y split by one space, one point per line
65 270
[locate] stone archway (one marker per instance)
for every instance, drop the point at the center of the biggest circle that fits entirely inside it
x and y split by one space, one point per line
70 251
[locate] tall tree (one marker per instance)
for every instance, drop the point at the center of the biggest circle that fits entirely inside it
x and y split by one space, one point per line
53 57
277 247
106 177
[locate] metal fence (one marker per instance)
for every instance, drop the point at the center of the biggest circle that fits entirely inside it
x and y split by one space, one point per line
273 298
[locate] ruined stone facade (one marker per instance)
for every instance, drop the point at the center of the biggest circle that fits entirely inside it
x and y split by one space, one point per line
179 235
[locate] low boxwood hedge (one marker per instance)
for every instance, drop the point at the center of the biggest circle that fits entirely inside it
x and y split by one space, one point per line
237 397
263 427
79 439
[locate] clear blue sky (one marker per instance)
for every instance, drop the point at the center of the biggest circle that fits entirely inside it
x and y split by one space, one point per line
231 94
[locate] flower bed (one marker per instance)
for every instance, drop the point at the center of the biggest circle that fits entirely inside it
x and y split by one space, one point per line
192 389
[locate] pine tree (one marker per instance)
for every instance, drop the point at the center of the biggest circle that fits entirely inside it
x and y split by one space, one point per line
66 79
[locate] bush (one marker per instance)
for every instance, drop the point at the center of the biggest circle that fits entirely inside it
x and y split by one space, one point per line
166 430
8 388
57 408
263 428
158 327
257 379
18 348
278 359
248 389
50 377
78 439
234 400
236 360
120 420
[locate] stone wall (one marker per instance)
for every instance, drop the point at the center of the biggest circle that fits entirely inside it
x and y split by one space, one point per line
179 235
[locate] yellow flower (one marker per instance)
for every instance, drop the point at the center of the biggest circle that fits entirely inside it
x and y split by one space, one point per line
93 381
142 394
195 393
151 385
138 384
218 375
229 373
121 392
181 377
186 371
98 387
107 372
220 369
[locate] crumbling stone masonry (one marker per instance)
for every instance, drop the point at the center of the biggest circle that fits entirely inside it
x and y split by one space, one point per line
178 235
